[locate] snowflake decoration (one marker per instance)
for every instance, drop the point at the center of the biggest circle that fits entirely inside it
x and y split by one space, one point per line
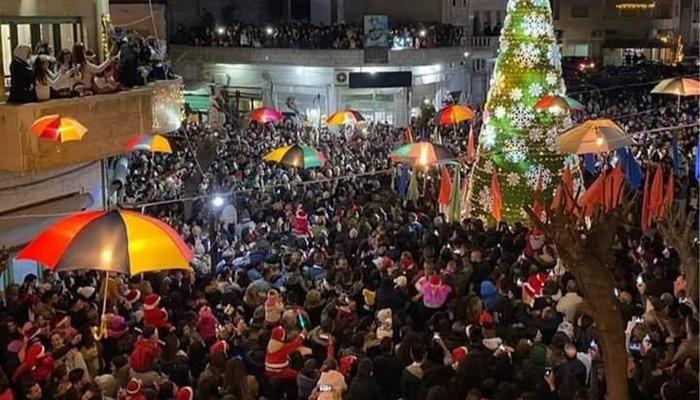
488 137
551 142
513 179
536 89
516 94
488 167
515 150
533 174
554 55
527 55
484 198
571 161
521 117
511 5
500 112
535 25
540 3
535 135
567 122
552 78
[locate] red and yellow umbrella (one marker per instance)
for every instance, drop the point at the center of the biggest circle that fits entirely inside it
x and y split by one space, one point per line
557 104
345 117
53 127
454 114
264 115
154 143
112 241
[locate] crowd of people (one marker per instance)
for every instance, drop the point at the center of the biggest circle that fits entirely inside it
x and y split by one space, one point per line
303 35
323 284
43 73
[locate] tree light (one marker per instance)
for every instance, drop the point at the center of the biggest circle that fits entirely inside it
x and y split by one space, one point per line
217 201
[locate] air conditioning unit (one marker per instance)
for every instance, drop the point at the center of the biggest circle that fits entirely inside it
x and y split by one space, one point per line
341 77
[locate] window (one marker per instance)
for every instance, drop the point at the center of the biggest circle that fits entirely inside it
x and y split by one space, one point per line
579 11
554 4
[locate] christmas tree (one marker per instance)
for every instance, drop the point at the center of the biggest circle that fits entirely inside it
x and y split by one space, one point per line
517 141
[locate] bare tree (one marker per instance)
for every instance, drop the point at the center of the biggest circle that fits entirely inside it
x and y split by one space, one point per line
677 230
586 251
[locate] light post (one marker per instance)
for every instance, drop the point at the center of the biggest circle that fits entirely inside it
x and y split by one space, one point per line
217 202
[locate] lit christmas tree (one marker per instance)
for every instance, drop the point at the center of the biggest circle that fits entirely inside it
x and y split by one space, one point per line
516 140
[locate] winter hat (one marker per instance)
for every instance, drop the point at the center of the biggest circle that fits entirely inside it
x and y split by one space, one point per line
278 334
133 387
435 280
400 281
567 328
132 296
313 299
151 301
485 318
459 353
116 326
220 346
185 393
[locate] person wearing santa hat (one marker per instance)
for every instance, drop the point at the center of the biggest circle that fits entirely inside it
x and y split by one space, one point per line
458 355
206 323
185 393
146 351
132 391
153 315
300 227
278 351
36 366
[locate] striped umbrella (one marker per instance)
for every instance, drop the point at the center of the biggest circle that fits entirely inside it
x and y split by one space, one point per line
264 115
112 241
679 86
53 127
298 156
154 143
558 104
454 114
422 154
345 117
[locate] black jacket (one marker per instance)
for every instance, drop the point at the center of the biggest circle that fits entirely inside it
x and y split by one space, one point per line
388 370
22 82
364 388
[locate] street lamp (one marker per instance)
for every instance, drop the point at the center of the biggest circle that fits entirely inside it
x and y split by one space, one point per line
269 30
216 202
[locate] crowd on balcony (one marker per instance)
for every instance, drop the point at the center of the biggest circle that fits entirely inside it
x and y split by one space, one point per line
338 290
43 73
311 36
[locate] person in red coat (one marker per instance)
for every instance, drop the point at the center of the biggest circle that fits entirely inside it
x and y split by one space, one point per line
146 351
37 365
152 314
277 357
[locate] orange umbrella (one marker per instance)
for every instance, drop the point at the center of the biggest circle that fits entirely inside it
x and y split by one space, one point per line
345 117
53 127
454 114
153 143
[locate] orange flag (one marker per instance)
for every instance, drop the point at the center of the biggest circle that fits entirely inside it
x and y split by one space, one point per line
668 194
656 194
408 135
496 199
563 196
613 186
593 196
445 187
471 148
537 206
645 201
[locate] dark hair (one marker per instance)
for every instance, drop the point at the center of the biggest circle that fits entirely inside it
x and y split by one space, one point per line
147 332
76 375
234 377
79 55
437 393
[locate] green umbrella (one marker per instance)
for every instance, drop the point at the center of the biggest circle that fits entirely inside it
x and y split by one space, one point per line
456 197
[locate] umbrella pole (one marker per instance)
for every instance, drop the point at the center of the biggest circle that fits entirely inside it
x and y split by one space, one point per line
103 318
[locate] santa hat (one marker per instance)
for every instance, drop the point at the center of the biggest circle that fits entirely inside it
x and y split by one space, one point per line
185 393
485 318
59 321
400 281
301 214
278 334
116 326
534 285
459 353
132 296
151 301
435 280
133 387
220 346
34 353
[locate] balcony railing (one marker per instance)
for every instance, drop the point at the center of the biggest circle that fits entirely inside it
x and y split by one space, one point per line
110 119
483 42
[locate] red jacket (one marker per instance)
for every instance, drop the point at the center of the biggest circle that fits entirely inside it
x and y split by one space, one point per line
157 318
277 360
146 352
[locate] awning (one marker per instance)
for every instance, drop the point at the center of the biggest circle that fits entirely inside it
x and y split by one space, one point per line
635 43
198 100
15 232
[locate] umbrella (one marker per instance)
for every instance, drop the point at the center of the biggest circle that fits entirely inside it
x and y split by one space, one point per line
297 156
422 153
345 117
53 127
558 104
264 115
454 114
593 136
154 143
679 86
112 241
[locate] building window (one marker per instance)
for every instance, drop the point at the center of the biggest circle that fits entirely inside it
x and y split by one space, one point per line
554 4
579 11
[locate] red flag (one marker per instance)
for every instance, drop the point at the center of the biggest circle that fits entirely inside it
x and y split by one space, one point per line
537 206
445 187
408 135
593 196
656 194
613 186
668 194
471 148
496 199
564 194
645 201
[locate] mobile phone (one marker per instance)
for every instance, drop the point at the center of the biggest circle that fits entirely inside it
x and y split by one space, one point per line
301 321
617 292
547 371
594 345
519 282
635 347
436 336
682 300
640 280
325 388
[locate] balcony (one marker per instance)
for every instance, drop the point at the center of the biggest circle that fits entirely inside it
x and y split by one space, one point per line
110 120
483 42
